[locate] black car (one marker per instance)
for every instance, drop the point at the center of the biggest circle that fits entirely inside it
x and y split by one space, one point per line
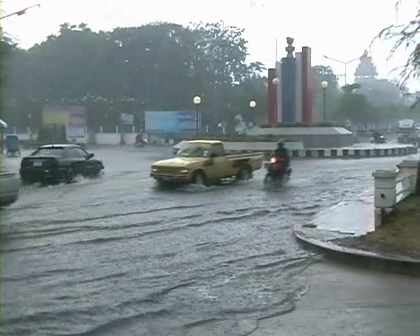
55 163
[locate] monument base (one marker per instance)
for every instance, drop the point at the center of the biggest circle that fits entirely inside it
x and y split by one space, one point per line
311 137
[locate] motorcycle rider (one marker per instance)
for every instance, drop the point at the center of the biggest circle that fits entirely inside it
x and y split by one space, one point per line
139 139
282 153
377 137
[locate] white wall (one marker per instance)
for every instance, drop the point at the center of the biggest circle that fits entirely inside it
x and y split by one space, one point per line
111 139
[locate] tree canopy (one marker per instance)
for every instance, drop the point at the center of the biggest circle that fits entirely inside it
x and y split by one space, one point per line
158 66
406 36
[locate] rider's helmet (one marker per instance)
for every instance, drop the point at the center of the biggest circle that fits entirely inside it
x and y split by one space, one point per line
280 143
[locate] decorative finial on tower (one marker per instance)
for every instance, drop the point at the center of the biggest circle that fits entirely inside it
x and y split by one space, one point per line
290 48
365 55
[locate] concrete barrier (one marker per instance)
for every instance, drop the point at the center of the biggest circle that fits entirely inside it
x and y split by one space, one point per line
297 151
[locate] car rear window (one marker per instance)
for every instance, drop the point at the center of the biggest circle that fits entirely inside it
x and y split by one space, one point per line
56 151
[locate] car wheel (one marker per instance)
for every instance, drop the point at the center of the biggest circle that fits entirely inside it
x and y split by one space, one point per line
25 181
199 178
70 176
245 173
97 168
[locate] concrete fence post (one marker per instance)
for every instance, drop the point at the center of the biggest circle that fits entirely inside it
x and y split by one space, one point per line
410 167
385 194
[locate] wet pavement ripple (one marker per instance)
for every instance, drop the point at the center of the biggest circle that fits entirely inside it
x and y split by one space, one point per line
114 255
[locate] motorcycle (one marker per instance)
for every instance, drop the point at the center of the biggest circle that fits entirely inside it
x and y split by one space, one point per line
276 172
380 139
141 143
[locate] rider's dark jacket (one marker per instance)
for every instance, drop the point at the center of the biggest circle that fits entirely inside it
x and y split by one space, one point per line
281 152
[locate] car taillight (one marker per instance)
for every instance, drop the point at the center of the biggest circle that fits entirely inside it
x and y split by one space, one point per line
25 163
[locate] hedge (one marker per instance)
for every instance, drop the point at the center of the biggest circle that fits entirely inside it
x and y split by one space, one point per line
299 124
242 138
36 143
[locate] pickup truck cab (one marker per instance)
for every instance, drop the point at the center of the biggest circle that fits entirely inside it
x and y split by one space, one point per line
205 162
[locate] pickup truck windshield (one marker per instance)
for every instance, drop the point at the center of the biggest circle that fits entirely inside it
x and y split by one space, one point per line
194 151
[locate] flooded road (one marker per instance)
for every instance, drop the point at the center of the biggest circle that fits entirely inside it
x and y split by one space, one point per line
114 255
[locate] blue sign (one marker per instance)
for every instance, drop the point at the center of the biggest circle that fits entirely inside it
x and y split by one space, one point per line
171 121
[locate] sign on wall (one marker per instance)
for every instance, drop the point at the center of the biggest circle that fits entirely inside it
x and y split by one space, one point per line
171 121
73 117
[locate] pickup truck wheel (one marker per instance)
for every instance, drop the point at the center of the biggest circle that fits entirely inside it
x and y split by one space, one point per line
245 173
199 178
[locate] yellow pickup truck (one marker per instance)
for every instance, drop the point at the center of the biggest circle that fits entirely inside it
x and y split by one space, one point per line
205 162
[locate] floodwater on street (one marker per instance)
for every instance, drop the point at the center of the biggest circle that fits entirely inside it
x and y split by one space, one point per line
117 256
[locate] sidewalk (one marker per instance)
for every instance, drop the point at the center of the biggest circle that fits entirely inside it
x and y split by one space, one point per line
345 220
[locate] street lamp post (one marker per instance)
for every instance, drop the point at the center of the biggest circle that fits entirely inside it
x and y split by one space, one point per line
20 12
324 85
197 102
253 105
345 63
276 83
29 125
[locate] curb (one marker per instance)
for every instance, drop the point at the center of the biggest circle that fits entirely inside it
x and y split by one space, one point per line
359 258
340 153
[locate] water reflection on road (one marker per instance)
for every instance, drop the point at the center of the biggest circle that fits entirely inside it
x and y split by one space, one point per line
114 255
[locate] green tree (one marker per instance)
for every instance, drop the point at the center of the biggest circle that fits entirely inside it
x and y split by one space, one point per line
8 52
325 73
381 92
159 66
354 106
406 36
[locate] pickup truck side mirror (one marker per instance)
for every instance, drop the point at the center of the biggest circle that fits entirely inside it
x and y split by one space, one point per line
91 155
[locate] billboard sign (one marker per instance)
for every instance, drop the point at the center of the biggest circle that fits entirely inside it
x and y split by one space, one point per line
76 125
72 117
127 119
54 116
170 122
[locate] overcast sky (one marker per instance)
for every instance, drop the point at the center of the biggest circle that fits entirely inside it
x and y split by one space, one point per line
336 28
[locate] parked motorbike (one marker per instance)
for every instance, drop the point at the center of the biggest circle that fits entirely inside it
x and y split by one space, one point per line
276 171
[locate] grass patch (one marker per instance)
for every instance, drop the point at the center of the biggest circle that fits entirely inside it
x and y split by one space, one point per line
400 234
